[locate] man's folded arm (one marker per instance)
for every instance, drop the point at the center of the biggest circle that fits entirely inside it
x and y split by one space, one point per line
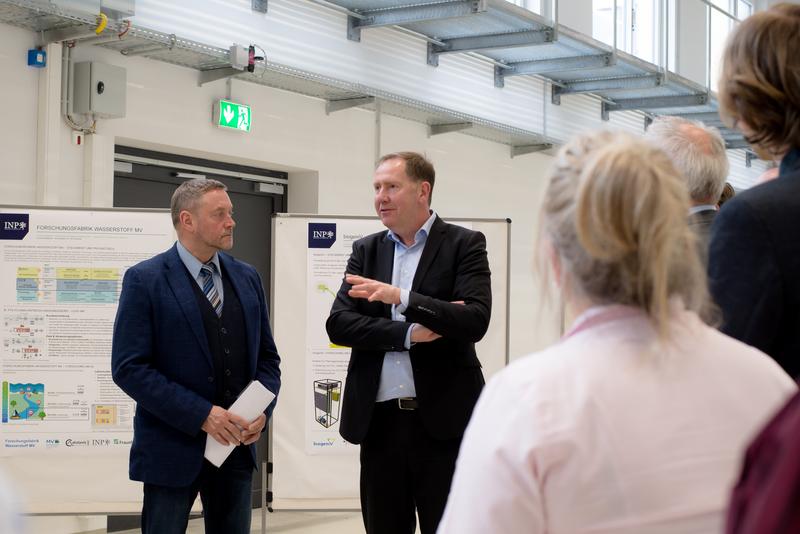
350 328
472 286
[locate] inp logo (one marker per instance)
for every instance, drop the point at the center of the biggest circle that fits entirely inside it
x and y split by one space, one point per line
321 235
13 226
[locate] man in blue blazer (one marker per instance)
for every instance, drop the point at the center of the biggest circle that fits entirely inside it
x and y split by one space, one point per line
191 333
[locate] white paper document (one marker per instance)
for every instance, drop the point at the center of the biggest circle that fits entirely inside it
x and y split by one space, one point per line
251 403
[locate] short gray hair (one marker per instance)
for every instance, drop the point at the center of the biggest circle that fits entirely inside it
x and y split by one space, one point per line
697 151
188 193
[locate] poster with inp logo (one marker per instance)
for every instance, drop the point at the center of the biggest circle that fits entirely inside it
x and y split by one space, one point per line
329 248
60 278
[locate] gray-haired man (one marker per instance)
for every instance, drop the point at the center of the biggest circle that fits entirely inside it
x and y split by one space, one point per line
698 153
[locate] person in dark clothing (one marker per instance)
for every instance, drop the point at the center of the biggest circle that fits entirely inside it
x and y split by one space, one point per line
698 153
755 253
191 333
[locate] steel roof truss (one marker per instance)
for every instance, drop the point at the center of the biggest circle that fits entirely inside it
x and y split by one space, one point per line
437 129
332 106
709 118
397 16
655 102
488 42
66 34
731 144
212 75
541 66
640 81
521 150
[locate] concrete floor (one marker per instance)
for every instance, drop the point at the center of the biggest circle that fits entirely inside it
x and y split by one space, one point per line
295 522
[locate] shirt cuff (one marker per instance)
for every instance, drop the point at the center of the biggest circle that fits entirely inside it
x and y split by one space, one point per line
407 343
401 308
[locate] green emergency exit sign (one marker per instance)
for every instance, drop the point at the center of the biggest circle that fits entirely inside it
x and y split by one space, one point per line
232 116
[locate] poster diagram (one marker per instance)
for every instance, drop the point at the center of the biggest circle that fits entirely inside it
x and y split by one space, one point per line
329 248
327 396
60 278
57 285
22 402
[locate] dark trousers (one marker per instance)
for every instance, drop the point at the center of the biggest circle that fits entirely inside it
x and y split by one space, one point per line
225 493
403 469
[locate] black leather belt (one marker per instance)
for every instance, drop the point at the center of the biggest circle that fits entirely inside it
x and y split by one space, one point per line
407 403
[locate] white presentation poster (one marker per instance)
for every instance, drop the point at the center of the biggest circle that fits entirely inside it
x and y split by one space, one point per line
313 467
60 278
329 247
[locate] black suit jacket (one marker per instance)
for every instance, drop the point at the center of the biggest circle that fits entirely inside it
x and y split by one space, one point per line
754 266
700 224
447 373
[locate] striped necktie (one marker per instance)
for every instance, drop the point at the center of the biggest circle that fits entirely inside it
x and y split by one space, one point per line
207 273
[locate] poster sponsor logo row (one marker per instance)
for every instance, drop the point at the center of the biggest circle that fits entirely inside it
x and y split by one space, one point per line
53 443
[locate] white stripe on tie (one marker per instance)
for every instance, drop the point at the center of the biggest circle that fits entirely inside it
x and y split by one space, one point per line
207 272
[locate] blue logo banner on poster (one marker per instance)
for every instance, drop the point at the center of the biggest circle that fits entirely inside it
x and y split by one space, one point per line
13 226
321 235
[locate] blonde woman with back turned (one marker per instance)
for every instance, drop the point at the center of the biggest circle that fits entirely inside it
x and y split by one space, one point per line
636 420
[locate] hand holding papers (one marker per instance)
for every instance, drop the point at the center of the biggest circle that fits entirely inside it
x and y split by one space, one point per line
251 403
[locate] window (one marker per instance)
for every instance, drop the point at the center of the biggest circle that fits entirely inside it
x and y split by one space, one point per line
637 26
719 26
530 5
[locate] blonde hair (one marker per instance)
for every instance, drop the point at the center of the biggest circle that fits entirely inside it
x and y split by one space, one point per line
615 211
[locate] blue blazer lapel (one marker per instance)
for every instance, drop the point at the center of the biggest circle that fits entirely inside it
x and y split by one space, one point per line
184 294
239 280
435 239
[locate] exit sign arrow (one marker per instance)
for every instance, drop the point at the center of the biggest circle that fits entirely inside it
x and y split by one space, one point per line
232 116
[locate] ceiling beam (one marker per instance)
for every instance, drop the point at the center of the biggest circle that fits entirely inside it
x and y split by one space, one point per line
547 66
521 150
646 81
654 102
731 144
332 106
705 117
487 42
397 16
437 129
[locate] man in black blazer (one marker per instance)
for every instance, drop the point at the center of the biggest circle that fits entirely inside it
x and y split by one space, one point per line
414 301
754 265
698 153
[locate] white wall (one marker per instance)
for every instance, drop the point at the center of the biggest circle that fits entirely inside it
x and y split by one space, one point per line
329 157
18 89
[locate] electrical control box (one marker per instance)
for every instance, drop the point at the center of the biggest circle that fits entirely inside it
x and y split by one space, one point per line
99 90
37 58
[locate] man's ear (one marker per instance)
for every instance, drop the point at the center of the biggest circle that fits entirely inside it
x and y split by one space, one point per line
186 220
425 190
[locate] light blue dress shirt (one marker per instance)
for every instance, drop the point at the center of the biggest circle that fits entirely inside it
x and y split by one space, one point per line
397 377
194 265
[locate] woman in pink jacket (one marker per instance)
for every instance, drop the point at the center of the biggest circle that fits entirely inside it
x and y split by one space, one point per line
635 422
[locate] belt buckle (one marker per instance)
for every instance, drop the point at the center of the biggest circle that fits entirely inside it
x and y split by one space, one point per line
400 403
